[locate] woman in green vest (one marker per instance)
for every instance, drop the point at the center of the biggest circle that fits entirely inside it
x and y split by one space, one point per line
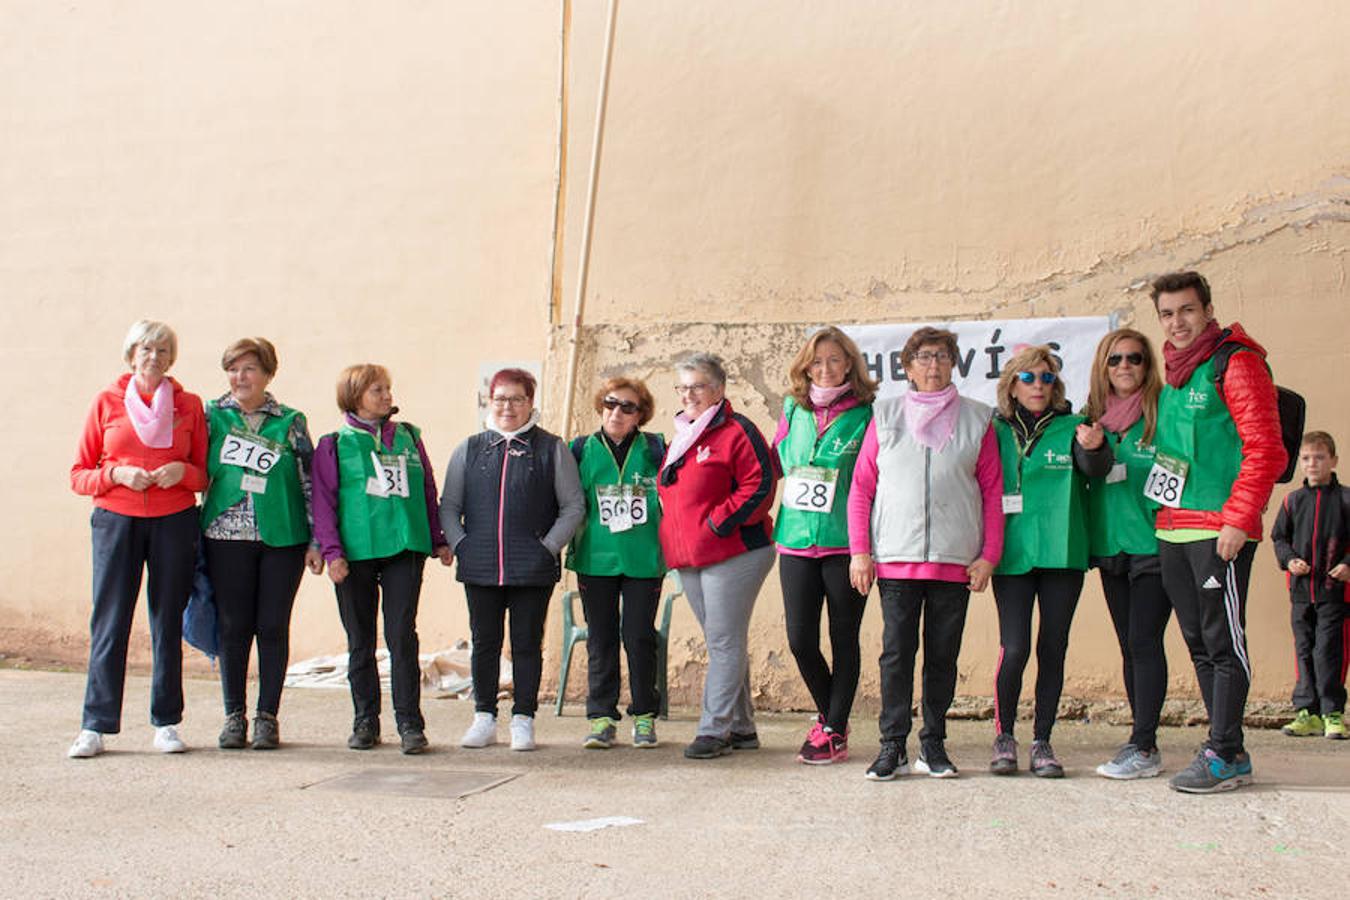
617 557
256 519
1048 454
1123 547
824 418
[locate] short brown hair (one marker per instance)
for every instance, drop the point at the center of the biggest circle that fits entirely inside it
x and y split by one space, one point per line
929 335
1175 282
1316 438
1022 361
864 388
646 403
355 381
258 346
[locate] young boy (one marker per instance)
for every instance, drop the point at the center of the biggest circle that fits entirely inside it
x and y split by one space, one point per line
1312 543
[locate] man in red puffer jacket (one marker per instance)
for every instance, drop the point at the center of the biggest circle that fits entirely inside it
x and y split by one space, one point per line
1219 456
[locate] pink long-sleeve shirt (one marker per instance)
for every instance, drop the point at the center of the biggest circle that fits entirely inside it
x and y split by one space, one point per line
989 476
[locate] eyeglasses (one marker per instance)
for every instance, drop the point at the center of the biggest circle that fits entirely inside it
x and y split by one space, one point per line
928 357
1030 377
701 388
510 401
626 406
1115 359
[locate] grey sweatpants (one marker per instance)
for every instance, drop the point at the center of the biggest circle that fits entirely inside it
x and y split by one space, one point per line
722 597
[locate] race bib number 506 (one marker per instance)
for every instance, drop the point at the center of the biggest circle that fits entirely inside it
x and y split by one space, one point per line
1167 480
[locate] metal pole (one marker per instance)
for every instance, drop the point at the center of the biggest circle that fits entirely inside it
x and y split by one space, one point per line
597 145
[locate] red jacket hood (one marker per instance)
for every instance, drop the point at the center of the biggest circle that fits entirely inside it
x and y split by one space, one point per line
1236 334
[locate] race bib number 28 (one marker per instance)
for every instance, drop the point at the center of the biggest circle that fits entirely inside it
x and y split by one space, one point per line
1166 480
810 489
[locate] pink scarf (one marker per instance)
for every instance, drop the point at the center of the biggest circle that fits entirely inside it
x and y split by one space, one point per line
687 433
822 397
931 416
153 423
1122 412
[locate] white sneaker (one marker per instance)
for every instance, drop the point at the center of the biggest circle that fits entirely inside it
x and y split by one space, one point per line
168 741
87 743
522 732
482 733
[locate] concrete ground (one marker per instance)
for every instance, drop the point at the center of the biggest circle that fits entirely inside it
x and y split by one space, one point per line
756 824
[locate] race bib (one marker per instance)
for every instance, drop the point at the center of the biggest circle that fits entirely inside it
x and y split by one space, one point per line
1117 474
391 475
248 452
1167 480
620 507
810 489
1012 503
254 484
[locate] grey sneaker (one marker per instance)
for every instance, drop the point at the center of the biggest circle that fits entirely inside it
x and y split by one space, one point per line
1044 763
266 733
234 734
365 734
1209 773
412 741
744 740
1130 762
602 734
644 732
1004 760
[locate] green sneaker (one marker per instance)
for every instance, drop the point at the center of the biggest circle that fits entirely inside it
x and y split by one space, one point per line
644 732
1334 725
602 734
1305 724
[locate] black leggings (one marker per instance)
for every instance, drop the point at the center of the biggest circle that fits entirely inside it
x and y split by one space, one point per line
255 589
808 584
1015 595
606 625
487 624
397 580
1140 613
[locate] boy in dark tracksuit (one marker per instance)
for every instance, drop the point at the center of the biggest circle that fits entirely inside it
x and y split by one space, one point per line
1312 543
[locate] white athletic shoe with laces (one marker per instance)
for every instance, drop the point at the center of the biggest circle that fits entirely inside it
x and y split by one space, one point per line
482 732
522 732
87 743
168 741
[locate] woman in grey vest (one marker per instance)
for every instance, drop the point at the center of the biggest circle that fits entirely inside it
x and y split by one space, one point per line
512 499
925 523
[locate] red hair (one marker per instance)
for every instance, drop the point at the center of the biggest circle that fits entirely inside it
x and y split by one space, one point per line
513 376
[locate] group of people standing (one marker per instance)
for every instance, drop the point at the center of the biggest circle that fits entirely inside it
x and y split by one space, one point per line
928 496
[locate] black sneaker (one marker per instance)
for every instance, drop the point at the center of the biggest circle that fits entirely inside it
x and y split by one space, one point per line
707 747
744 740
890 762
412 741
365 734
934 762
266 733
234 735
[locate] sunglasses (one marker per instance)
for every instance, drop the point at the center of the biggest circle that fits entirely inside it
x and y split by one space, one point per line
627 406
1115 359
1030 377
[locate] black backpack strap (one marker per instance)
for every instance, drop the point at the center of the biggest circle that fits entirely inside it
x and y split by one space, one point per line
656 446
578 445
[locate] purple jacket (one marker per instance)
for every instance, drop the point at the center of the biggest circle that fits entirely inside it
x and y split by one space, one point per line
326 490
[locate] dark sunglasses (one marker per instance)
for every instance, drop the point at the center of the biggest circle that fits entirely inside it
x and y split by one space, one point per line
1030 377
628 406
1115 359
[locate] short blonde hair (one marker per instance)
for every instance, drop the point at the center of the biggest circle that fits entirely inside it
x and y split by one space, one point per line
864 388
355 381
1021 362
259 347
646 403
148 331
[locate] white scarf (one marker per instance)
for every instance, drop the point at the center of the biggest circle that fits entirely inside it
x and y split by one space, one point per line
688 432
533 420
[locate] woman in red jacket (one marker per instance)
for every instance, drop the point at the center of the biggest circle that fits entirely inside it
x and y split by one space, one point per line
716 486
142 457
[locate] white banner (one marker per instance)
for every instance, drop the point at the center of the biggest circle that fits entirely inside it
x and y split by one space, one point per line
986 345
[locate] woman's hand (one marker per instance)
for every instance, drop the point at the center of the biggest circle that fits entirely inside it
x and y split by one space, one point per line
1090 437
314 560
445 555
862 572
337 570
169 474
133 477
979 572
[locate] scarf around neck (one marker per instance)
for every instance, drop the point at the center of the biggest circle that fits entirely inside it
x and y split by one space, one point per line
931 415
688 432
1122 412
154 423
1181 364
822 397
532 421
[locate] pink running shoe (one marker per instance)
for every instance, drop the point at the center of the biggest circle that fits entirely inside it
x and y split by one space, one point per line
813 737
832 748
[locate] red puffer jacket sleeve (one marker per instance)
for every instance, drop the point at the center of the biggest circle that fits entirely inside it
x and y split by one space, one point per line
1249 393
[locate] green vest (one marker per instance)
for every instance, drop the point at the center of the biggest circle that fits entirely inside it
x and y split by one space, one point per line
1051 530
1120 520
836 449
636 551
376 525
1194 425
279 510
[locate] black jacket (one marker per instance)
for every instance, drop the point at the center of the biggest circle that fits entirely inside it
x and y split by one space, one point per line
1314 525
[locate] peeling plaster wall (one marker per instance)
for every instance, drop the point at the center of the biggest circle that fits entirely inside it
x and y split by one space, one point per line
378 184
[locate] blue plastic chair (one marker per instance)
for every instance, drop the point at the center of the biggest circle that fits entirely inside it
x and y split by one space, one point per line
574 634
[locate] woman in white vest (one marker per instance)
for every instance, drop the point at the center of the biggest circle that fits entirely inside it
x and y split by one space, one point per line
926 524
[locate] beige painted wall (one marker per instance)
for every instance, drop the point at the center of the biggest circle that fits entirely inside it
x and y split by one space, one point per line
360 184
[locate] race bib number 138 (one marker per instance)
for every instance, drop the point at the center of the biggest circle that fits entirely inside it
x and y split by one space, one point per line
1167 480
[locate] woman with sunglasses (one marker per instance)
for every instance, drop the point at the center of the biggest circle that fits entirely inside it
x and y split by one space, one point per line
510 503
1123 544
825 416
616 554
1048 455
